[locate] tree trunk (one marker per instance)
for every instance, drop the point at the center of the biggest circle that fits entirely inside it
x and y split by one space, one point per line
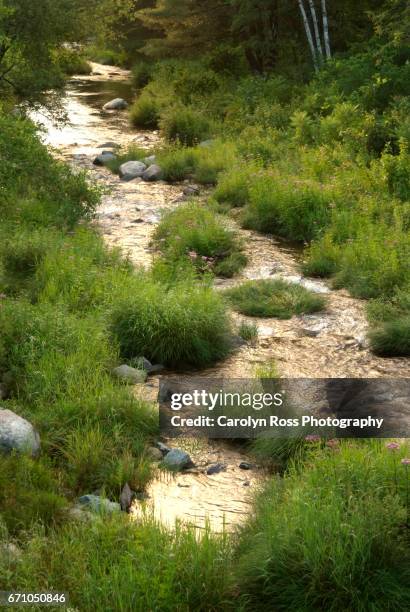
316 30
326 30
308 34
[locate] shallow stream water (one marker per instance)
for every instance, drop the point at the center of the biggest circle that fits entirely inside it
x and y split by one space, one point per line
324 345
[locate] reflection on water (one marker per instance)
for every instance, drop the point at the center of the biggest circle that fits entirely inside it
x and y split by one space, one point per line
87 125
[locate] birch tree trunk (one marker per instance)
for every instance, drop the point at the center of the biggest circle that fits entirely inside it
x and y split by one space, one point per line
308 34
316 30
326 30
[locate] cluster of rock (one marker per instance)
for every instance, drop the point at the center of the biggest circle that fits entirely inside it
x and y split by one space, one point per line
139 375
145 169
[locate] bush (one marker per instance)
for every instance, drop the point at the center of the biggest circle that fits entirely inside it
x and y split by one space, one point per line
392 338
183 325
194 233
294 211
233 186
145 111
274 298
185 125
29 493
115 564
248 331
335 540
142 74
72 62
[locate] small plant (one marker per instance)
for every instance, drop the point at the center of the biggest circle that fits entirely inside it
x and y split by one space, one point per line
392 338
185 125
274 298
144 112
248 331
194 233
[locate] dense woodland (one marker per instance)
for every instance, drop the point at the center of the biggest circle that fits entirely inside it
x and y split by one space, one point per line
304 109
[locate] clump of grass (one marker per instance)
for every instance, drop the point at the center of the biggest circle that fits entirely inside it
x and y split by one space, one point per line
72 62
274 298
142 73
248 331
185 324
185 125
336 497
392 338
298 212
145 111
115 564
233 186
29 492
195 233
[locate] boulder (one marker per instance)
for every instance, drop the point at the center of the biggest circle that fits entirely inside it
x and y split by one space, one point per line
216 469
205 144
150 160
116 104
104 158
154 453
244 465
108 145
177 459
17 434
98 505
146 365
153 173
191 190
131 170
130 375
163 448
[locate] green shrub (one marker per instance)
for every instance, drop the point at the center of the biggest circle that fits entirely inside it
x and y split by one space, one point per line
117 564
177 164
195 233
274 298
145 111
233 186
335 540
72 62
142 74
179 326
248 331
29 493
185 125
295 211
392 339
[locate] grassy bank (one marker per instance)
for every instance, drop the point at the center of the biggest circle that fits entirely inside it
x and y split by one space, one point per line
326 164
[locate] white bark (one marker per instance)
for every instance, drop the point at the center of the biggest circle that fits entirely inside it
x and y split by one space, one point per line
316 30
308 34
326 30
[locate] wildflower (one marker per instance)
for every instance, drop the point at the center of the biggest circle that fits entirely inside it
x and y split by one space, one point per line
193 254
393 446
405 461
204 258
312 438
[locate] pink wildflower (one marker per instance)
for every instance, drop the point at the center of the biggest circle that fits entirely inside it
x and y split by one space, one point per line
393 446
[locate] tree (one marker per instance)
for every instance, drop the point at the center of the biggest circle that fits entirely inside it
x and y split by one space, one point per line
313 34
30 33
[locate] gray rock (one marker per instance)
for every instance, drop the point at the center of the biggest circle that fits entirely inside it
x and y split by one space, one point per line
131 170
150 160
177 459
191 190
153 173
108 145
99 505
104 158
207 143
163 448
116 104
244 465
145 364
130 375
10 552
17 434
216 469
126 498
154 453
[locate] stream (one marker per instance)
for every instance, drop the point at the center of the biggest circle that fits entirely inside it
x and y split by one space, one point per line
329 344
